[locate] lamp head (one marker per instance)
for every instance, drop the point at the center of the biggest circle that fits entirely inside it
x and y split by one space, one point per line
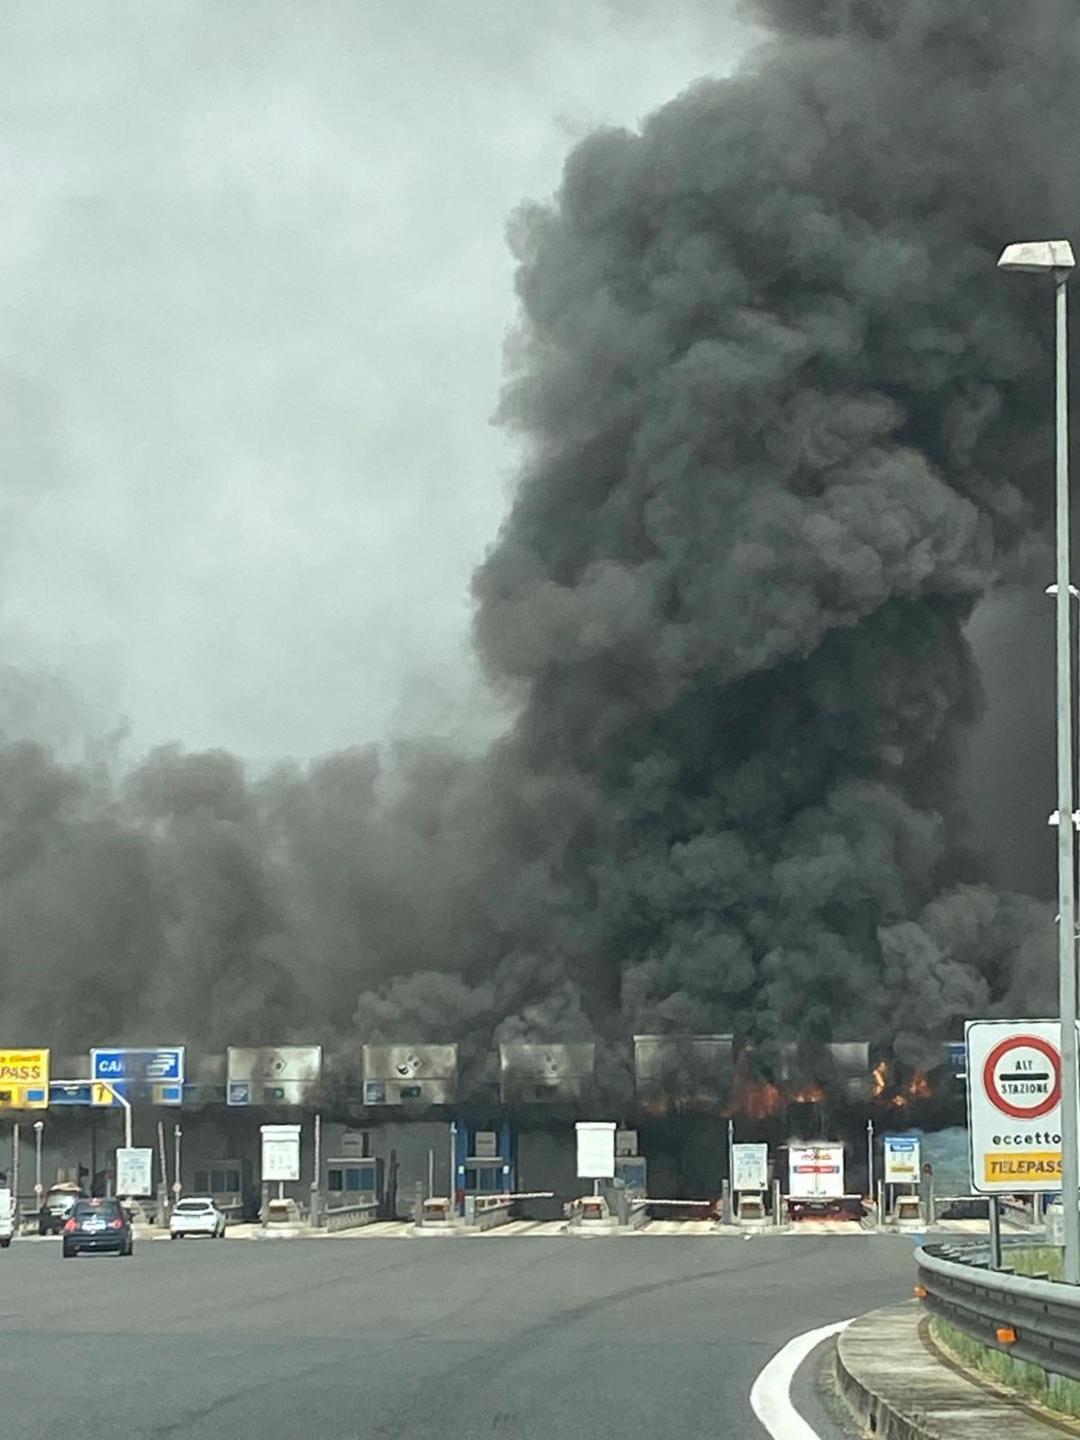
1037 257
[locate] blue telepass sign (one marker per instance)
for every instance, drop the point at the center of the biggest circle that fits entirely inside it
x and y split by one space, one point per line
902 1159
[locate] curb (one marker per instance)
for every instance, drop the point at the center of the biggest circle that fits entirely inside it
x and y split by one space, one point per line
899 1387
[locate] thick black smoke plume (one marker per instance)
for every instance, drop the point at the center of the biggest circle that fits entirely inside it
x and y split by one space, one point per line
785 427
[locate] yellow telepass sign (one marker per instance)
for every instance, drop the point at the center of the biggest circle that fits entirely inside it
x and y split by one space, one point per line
24 1079
1021 1167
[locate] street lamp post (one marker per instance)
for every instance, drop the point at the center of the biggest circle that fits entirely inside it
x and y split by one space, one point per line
39 1130
178 1185
1055 258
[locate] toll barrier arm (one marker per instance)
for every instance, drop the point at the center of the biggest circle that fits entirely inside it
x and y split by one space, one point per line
650 1200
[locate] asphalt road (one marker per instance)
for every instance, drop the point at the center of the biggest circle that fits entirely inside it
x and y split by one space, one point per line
532 1339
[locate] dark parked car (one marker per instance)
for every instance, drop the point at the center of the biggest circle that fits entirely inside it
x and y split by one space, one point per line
98 1225
57 1207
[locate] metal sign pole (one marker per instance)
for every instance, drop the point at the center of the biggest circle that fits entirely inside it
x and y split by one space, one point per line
15 1147
870 1158
316 1208
1070 1157
995 1232
452 1187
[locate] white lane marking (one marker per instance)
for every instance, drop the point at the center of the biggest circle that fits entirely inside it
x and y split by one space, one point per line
770 1394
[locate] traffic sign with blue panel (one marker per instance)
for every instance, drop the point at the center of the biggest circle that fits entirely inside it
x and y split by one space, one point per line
161 1066
158 1062
64 1092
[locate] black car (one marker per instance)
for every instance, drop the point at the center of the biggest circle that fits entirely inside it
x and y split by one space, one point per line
98 1225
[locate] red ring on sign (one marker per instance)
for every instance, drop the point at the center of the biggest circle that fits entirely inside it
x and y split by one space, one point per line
1036 1042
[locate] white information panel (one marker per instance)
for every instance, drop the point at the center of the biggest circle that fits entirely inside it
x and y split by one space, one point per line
280 1152
749 1167
595 1149
134 1171
1014 1105
903 1155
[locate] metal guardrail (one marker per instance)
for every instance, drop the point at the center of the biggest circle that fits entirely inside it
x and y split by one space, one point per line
992 1306
941 1203
487 1212
346 1217
1017 1212
638 1214
1016 1209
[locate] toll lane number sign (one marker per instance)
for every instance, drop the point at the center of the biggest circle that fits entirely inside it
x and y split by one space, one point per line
1014 1105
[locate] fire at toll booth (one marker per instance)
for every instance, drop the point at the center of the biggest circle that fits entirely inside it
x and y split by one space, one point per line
503 1125
546 1073
414 1075
682 1072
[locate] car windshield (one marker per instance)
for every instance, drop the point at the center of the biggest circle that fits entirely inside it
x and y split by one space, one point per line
193 1207
109 1209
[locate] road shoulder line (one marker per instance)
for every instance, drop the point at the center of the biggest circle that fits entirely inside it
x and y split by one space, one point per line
770 1394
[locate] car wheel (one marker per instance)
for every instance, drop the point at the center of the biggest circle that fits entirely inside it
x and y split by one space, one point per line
173 1235
5 1243
69 1254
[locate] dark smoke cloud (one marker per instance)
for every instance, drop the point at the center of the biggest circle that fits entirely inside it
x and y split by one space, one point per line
785 427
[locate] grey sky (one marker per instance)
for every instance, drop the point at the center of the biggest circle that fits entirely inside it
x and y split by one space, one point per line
255 290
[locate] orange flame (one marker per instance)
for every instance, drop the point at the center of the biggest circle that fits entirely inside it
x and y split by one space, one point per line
920 1088
880 1073
756 1099
809 1095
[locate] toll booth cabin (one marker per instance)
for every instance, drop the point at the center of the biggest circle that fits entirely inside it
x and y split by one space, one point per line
352 1180
483 1161
229 1184
631 1169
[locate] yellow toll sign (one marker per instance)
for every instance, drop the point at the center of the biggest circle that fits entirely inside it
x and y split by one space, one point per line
1022 1165
24 1079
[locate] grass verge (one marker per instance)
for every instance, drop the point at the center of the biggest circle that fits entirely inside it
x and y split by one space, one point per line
1052 1392
1035 1260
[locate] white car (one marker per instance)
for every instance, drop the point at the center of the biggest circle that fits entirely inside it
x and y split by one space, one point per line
196 1215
